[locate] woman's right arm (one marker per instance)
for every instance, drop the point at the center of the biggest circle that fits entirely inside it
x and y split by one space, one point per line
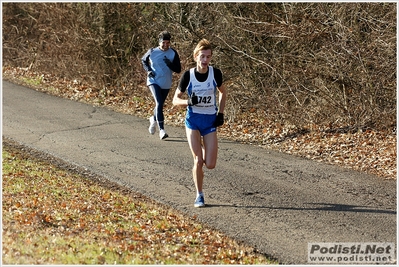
145 61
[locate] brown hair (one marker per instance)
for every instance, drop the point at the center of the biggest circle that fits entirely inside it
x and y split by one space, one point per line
204 44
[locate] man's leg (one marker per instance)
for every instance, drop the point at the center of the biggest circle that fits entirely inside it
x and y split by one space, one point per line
194 141
210 150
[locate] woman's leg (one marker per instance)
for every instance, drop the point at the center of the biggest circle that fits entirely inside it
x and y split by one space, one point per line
160 96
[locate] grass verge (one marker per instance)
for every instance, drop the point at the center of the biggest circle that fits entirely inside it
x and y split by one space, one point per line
52 216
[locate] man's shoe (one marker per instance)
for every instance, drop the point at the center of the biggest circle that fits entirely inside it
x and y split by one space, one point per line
199 201
153 124
163 134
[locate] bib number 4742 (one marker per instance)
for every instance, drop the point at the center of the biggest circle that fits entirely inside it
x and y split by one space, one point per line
204 99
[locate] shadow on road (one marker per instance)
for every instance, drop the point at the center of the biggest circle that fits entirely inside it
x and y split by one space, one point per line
323 207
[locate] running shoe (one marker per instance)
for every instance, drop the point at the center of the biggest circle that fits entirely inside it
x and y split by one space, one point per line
162 134
153 124
199 201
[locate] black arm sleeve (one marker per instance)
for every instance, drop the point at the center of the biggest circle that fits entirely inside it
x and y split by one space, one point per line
175 66
184 81
218 77
145 61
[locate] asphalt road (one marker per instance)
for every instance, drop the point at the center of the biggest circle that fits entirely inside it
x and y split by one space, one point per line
274 202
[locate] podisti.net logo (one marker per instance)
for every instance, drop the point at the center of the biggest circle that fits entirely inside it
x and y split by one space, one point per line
346 253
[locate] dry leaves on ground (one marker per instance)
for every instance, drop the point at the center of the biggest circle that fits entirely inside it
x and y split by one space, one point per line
51 216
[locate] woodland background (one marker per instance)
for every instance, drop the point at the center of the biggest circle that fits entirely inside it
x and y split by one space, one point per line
290 68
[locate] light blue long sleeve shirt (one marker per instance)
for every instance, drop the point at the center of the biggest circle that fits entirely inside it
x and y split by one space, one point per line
153 60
